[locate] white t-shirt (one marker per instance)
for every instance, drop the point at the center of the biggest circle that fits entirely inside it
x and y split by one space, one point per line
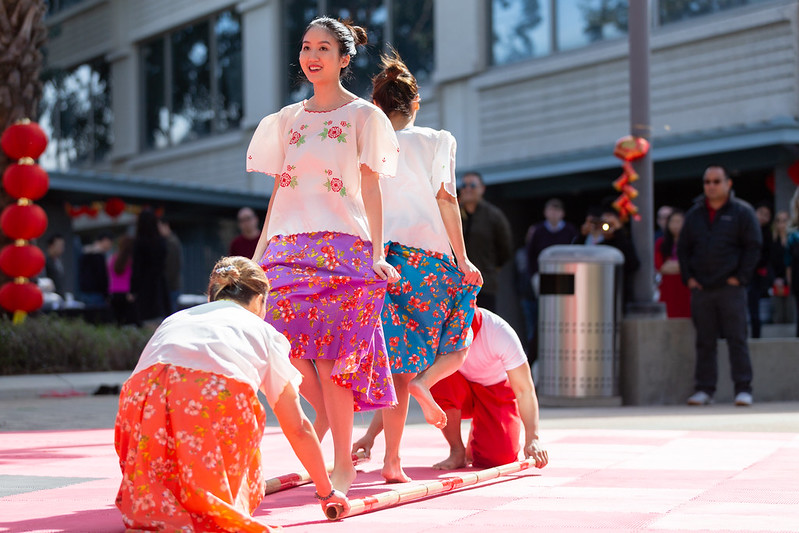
410 209
316 158
224 338
495 350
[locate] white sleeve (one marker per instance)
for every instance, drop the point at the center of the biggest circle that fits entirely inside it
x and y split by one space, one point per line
506 345
443 171
279 371
378 147
266 151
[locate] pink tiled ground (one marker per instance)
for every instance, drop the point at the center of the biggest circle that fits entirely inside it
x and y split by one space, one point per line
603 480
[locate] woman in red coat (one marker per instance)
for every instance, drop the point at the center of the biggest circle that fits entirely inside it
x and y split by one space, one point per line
673 292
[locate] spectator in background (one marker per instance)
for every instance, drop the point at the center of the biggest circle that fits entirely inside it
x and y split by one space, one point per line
615 234
244 244
792 254
664 212
92 272
487 234
591 230
673 292
148 274
761 279
173 269
54 266
119 271
781 304
718 249
553 230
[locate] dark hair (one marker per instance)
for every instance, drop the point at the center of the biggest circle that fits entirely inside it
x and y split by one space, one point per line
124 253
724 169
54 237
394 87
346 34
667 243
147 226
237 278
476 174
554 202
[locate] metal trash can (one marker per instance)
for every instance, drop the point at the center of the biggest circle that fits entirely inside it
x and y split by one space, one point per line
579 311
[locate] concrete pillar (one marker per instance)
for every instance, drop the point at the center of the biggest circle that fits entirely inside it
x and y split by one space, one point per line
263 59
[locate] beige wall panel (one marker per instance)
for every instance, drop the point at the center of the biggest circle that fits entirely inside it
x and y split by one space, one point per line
82 38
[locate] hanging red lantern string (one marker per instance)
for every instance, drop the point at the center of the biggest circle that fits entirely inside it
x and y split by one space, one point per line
628 149
24 141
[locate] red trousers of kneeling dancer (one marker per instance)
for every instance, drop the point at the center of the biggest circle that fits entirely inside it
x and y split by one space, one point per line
496 425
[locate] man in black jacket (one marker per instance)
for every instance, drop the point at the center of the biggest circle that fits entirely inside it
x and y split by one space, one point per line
718 248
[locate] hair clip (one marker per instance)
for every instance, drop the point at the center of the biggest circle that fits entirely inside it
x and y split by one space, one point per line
222 270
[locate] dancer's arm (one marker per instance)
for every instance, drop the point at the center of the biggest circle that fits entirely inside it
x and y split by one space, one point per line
302 437
373 203
450 214
521 382
260 248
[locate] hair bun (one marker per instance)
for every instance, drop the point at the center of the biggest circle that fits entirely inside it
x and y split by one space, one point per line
358 33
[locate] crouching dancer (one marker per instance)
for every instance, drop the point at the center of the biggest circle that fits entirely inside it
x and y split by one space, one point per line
494 388
190 424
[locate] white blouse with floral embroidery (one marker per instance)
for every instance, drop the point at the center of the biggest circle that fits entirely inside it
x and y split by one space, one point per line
316 158
412 217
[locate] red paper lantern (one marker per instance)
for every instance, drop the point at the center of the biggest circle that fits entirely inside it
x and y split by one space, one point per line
114 207
20 221
793 173
25 297
26 181
21 261
630 148
24 139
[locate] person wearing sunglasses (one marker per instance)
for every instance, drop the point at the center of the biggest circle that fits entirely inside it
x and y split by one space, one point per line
718 250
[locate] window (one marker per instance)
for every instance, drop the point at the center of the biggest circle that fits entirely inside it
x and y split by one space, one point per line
582 22
192 82
55 6
520 29
75 111
677 10
407 25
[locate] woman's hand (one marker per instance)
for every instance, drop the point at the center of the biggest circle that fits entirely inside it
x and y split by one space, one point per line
470 272
336 497
385 271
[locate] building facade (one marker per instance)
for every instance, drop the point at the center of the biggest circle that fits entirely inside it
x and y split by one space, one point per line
535 91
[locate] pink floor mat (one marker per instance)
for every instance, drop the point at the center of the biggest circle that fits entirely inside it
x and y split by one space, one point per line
603 480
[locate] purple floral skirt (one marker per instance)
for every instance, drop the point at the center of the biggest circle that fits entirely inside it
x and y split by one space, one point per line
327 300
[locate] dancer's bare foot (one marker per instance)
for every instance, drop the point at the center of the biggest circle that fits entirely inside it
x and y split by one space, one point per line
433 414
343 479
392 471
456 459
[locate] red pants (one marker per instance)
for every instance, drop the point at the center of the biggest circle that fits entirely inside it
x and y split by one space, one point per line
496 424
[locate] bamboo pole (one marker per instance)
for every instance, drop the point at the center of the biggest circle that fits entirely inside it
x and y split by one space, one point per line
295 479
410 493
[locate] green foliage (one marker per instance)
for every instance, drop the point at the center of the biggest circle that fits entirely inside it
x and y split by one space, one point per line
47 344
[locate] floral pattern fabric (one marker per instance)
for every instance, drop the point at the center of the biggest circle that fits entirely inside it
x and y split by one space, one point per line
188 445
428 311
327 300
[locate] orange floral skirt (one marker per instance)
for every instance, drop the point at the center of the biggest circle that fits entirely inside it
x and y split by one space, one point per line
189 448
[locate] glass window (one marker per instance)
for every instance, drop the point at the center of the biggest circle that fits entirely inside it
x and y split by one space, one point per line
407 23
582 22
156 112
192 82
520 29
413 36
228 74
54 6
676 10
75 111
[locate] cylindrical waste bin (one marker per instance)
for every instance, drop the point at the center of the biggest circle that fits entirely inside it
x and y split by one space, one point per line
579 307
